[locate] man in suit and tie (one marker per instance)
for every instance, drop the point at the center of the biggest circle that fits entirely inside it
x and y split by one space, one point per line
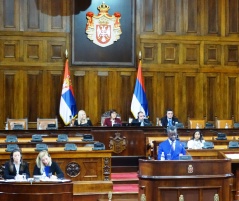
169 119
171 148
141 120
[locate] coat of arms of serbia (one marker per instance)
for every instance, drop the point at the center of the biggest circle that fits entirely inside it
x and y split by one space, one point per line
103 29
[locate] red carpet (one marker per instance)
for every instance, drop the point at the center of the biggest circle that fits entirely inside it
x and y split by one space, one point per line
124 176
127 188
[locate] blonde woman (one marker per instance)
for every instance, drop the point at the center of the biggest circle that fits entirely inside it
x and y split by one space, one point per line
45 165
82 119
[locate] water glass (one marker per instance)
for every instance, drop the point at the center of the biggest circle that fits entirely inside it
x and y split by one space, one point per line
24 176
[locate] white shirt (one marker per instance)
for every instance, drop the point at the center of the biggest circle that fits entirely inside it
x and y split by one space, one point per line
172 144
195 144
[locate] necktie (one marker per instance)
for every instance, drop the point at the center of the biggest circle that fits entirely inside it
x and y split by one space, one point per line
170 122
172 146
142 123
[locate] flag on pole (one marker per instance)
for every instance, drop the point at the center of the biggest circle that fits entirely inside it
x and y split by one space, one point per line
68 108
139 100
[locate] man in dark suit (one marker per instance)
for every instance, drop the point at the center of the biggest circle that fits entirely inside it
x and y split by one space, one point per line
141 120
171 148
169 119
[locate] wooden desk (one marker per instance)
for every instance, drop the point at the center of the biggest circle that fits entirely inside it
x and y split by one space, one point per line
24 142
136 145
198 180
234 156
37 191
81 165
222 145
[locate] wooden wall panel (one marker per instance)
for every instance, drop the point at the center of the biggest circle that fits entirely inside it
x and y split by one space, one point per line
232 96
191 96
149 15
189 61
33 50
191 20
149 89
56 50
233 17
170 53
33 95
169 94
11 51
9 99
191 54
103 92
170 15
9 11
231 55
212 54
33 17
55 93
79 89
212 96
213 18
125 94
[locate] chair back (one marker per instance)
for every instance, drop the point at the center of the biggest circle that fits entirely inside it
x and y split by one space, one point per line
11 138
47 124
233 144
17 124
11 147
70 147
41 147
62 138
36 138
224 123
196 123
208 145
179 125
236 125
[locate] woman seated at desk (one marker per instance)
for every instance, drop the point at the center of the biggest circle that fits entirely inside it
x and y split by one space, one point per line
16 167
82 119
45 166
112 120
197 141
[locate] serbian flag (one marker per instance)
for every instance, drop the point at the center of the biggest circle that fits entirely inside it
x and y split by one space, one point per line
68 108
139 101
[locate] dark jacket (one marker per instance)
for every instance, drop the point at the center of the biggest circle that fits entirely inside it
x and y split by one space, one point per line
164 121
10 170
86 124
108 122
146 122
54 169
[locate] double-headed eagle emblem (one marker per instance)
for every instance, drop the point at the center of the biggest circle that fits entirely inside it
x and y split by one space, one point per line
103 29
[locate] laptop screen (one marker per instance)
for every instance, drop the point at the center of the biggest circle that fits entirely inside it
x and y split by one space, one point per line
135 123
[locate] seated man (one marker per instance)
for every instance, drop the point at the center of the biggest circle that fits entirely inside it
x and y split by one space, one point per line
141 120
169 119
171 148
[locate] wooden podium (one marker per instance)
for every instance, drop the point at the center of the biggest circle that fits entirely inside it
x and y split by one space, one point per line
186 180
234 156
37 191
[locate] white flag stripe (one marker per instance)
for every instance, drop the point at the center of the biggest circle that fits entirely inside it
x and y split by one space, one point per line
65 111
136 106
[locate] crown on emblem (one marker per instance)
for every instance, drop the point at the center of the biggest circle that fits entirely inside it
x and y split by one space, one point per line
103 7
103 21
